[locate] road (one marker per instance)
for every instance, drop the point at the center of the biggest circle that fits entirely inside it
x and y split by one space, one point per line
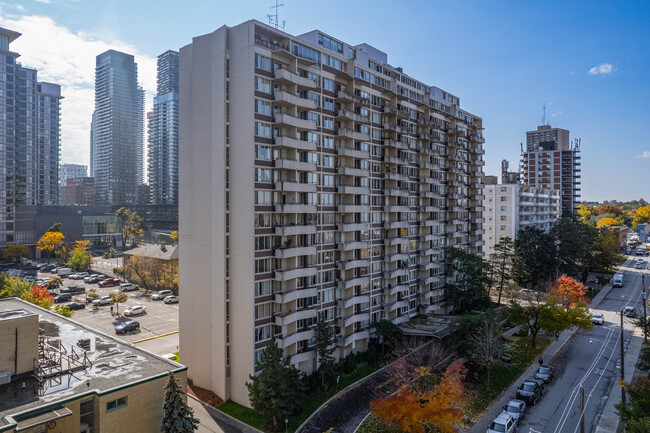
591 360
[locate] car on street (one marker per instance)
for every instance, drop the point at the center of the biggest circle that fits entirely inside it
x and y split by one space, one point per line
171 299
515 408
128 287
597 318
73 289
109 282
93 279
628 251
78 276
103 300
545 373
629 312
502 424
639 265
128 326
76 305
63 297
161 294
618 280
530 391
135 310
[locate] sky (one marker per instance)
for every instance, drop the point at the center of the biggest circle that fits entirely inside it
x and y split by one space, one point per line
588 62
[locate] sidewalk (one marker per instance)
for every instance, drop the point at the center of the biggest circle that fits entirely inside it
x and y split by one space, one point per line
215 421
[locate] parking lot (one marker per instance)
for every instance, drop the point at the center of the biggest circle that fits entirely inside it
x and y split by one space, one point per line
160 318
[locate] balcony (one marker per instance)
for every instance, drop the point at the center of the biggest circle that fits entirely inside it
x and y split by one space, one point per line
352 171
351 115
287 77
295 144
398 257
286 119
402 272
352 227
359 299
353 153
353 208
396 241
344 95
394 192
306 356
288 340
286 98
355 336
431 279
287 319
400 319
399 304
429 223
397 208
396 144
287 253
353 264
396 224
398 288
359 317
294 230
349 189
397 176
359 281
292 295
294 186
290 274
395 160
351 133
353 245
295 208
292 164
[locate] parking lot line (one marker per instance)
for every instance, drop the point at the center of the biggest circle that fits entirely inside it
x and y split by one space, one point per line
157 336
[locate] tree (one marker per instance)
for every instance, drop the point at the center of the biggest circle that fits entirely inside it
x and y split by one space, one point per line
641 215
465 327
130 223
178 416
38 296
118 298
276 391
489 347
501 261
568 292
584 214
643 363
139 268
49 242
63 310
535 258
174 236
165 275
324 345
15 252
606 222
606 250
55 281
387 333
638 406
468 288
14 287
80 257
56 227
574 243
439 408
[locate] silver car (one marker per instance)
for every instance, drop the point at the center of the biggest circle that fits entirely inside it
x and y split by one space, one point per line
134 310
515 408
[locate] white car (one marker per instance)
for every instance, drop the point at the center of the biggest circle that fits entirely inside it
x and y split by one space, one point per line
598 318
503 423
79 276
134 310
161 294
102 300
515 408
128 287
171 299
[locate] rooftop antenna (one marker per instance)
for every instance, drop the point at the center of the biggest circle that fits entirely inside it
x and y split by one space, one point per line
273 18
544 116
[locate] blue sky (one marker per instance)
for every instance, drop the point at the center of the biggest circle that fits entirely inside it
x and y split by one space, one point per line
504 59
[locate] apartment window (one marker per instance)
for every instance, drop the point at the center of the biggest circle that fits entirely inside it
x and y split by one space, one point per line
262 62
262 107
262 311
313 137
328 257
328 180
262 243
330 43
262 266
312 178
262 175
327 161
328 142
263 288
116 404
263 152
262 220
262 85
328 238
258 356
328 122
263 198
262 130
327 219
262 333
86 415
327 199
328 84
328 103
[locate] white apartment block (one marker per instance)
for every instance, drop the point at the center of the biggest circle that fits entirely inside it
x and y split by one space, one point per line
511 207
314 179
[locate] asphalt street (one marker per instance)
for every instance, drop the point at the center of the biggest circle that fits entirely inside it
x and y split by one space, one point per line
591 360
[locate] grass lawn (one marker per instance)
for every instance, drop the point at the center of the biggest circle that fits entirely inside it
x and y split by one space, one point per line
309 404
178 357
502 376
374 424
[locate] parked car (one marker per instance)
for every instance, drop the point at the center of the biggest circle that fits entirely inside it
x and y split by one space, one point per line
102 300
79 276
597 318
161 294
76 305
63 297
128 287
503 423
64 272
545 373
515 408
93 279
46 268
628 251
73 289
124 327
109 282
530 391
54 269
135 310
171 299
629 312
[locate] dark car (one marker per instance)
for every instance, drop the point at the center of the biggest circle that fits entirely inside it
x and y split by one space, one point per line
46 268
63 297
128 326
545 373
77 305
73 289
93 279
530 391
630 312
109 282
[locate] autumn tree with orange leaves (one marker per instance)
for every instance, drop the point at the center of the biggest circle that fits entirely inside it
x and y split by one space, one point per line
420 409
568 292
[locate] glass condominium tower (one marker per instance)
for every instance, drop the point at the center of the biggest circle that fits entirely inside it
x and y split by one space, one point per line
117 130
29 138
163 133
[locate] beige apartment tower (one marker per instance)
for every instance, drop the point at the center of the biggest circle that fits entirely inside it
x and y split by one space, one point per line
314 179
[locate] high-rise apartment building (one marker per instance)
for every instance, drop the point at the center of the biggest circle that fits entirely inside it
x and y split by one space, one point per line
69 171
117 130
163 133
510 207
315 180
29 137
552 161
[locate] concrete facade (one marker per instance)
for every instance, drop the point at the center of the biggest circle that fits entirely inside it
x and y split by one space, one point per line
69 171
314 179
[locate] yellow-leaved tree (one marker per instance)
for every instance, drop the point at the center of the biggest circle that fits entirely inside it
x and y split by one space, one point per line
49 242
80 257
642 215
584 213
606 222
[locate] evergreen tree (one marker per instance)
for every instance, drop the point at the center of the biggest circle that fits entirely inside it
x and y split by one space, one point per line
178 416
501 261
324 346
468 289
277 389
535 262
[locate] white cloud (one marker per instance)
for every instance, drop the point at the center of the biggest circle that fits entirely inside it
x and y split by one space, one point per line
602 69
67 58
44 1
644 155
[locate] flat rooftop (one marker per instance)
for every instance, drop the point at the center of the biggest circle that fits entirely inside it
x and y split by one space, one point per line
114 363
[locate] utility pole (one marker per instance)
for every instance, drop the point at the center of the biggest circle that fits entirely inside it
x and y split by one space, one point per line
645 323
582 410
622 362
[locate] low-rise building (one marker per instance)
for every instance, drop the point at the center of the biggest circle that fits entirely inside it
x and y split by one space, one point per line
77 191
59 376
511 207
